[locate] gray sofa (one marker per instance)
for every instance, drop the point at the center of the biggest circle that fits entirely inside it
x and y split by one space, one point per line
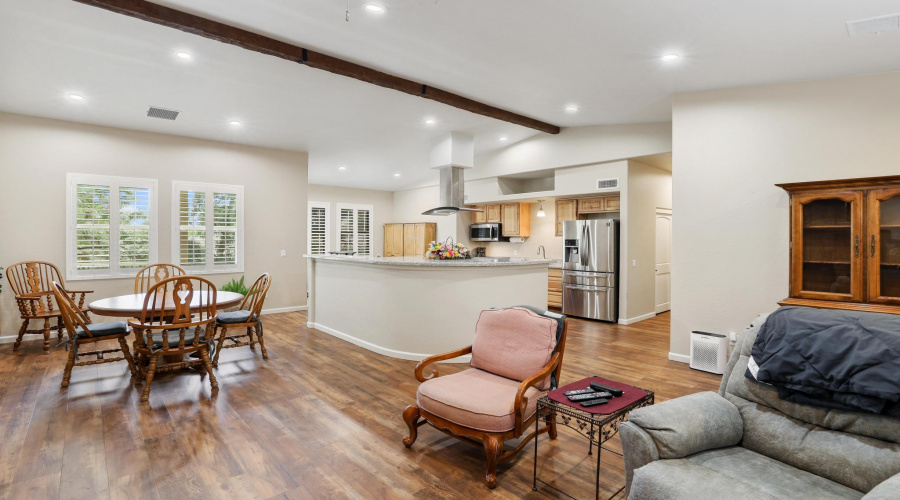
745 442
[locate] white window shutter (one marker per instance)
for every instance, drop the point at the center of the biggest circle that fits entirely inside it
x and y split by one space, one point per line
319 236
208 230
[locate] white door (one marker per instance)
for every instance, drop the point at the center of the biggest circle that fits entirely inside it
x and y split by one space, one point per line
663 260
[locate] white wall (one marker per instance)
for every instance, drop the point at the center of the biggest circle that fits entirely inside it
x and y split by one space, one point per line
410 203
382 206
649 188
730 235
36 154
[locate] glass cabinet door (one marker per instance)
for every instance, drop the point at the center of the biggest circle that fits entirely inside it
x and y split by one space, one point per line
883 245
826 253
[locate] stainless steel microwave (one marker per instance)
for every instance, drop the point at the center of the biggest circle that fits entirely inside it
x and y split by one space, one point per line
484 232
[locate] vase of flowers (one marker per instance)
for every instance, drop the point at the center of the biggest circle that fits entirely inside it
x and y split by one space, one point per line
447 250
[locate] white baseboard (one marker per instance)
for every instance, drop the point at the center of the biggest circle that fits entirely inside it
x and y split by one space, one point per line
9 339
411 356
681 358
283 310
628 321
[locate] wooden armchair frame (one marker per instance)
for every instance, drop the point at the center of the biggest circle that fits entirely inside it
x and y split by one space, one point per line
252 302
154 273
415 417
192 322
32 284
74 318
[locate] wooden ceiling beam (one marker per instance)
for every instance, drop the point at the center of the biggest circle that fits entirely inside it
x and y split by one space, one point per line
214 30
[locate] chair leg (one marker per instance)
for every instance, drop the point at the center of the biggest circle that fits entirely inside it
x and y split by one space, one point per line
151 370
127 354
215 361
411 417
262 344
67 373
46 335
59 329
250 337
21 334
493 447
204 355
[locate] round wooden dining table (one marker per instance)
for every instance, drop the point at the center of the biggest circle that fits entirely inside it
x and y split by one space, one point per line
131 306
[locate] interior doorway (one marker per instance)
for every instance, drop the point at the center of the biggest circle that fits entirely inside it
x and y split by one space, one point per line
663 260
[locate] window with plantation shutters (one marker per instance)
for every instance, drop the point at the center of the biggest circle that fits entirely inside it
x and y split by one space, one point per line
318 236
208 227
111 225
355 228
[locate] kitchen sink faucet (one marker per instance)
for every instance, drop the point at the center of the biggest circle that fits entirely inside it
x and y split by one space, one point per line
542 250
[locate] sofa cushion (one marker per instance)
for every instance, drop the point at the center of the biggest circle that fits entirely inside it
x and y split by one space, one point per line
103 329
514 343
476 399
858 450
732 472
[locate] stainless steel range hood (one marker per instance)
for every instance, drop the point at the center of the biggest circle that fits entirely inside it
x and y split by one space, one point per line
452 154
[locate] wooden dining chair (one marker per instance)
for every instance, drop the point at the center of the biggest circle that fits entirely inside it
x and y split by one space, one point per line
81 331
247 317
178 319
32 285
153 274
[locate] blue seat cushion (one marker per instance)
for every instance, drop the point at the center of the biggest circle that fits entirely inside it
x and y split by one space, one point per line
175 336
236 317
103 329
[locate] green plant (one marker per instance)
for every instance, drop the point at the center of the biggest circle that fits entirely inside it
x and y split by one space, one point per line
236 286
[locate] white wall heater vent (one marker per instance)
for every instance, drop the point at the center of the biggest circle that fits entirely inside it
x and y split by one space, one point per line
607 184
874 25
165 114
709 352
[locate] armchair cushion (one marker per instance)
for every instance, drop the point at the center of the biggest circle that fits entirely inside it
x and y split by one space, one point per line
514 343
731 472
690 424
235 317
103 329
476 399
887 490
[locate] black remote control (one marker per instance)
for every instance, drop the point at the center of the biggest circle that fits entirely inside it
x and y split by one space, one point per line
612 390
589 396
594 402
579 391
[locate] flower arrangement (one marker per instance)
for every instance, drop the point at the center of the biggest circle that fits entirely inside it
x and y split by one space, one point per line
447 250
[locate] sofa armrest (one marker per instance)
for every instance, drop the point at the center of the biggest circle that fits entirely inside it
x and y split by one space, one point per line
690 424
638 450
886 490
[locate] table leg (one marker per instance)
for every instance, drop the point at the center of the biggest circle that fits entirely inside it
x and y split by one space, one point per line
597 484
591 440
537 421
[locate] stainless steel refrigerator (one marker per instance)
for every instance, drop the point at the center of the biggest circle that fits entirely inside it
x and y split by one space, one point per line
590 269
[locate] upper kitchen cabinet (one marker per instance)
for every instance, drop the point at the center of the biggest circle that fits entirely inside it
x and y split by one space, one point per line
845 244
598 205
565 210
515 219
479 217
492 214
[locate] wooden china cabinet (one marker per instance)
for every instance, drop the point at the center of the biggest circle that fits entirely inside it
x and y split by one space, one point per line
845 244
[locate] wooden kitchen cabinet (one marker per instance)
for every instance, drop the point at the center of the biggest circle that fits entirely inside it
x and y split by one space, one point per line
408 239
554 288
565 210
600 205
479 217
492 214
515 219
845 244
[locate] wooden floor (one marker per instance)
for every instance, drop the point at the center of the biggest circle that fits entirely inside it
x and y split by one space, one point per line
319 419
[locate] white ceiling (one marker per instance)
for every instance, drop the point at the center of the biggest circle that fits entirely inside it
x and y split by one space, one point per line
529 56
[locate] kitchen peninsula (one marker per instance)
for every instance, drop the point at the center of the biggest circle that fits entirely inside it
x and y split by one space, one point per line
413 307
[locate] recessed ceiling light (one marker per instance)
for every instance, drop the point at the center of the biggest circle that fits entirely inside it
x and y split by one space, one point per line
671 57
571 108
397 175
342 168
374 8
430 121
76 97
234 123
504 138
183 55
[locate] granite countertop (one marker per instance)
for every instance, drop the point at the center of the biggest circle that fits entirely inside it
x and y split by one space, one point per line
556 264
419 261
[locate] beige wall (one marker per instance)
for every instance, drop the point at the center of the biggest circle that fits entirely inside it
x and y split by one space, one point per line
649 188
410 203
730 235
382 206
36 154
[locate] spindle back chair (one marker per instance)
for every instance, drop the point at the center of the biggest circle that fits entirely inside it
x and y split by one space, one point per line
247 317
154 273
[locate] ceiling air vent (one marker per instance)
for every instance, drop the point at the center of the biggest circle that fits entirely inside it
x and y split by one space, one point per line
874 25
607 184
165 114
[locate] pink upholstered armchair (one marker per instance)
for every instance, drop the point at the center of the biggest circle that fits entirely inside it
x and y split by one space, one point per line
516 358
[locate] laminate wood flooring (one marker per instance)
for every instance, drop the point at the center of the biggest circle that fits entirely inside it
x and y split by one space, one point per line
319 419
